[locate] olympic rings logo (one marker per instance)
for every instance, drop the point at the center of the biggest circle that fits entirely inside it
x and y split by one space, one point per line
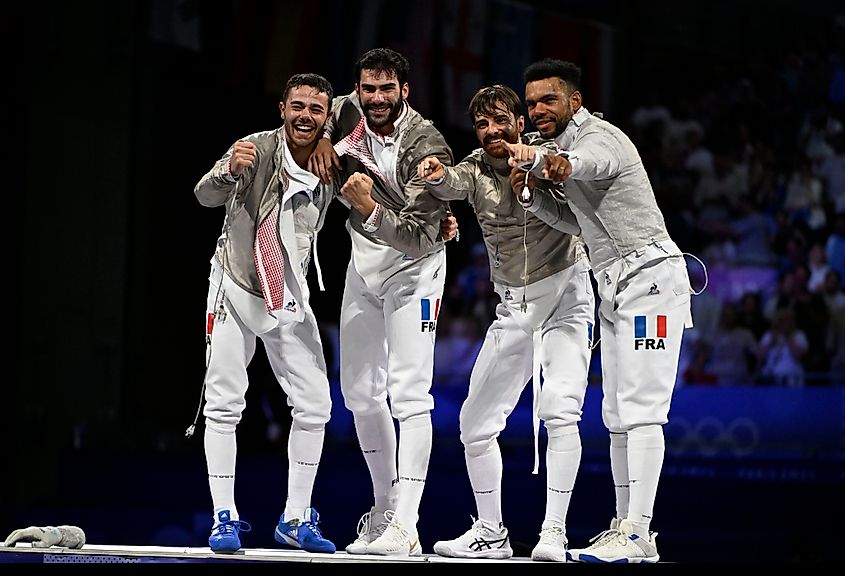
709 436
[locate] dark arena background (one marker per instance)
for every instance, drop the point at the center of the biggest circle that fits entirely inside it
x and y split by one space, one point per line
120 107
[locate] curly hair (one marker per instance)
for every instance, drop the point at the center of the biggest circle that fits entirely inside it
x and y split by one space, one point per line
567 72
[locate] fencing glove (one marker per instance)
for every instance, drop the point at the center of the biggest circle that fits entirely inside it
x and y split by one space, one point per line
46 536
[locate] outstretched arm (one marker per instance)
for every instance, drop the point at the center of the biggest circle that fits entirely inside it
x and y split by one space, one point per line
446 182
597 157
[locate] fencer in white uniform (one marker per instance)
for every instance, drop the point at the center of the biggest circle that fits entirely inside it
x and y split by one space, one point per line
544 320
391 299
643 286
262 179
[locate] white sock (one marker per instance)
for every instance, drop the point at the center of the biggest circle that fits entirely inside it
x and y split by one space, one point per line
619 469
377 438
221 449
414 452
645 460
304 450
563 456
485 475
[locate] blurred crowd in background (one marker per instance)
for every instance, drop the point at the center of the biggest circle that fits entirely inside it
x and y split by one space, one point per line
750 175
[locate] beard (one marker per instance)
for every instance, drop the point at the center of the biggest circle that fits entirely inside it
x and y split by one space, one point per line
497 149
392 115
556 128
552 130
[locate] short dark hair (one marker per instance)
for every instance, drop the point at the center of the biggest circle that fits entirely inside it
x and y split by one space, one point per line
550 68
312 80
383 60
484 101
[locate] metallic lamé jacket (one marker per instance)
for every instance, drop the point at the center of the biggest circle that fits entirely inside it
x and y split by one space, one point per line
510 233
411 223
615 207
249 200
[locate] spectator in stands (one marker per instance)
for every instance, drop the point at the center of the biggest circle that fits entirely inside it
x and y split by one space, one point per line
750 314
835 246
817 265
804 197
734 350
832 172
781 350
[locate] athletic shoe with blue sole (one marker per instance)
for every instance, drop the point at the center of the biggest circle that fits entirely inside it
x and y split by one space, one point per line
303 534
225 537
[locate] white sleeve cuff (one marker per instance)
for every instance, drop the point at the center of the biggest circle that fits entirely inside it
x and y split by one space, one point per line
227 173
370 224
577 165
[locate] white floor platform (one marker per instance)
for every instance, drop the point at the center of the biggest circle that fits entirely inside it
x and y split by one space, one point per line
100 554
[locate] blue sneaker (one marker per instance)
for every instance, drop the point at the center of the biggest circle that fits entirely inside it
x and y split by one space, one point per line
304 534
224 536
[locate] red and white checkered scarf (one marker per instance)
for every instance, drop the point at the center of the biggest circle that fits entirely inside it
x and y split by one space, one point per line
270 261
355 145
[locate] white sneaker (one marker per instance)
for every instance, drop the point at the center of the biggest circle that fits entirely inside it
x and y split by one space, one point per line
596 541
480 541
624 547
552 545
370 526
396 540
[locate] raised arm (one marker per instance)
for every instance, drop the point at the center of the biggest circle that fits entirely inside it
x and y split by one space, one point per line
237 163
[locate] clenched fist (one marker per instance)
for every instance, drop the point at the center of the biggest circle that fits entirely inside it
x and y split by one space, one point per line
358 191
430 169
243 157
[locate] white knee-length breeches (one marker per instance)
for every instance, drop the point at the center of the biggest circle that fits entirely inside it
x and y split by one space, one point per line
388 322
294 351
561 310
645 306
